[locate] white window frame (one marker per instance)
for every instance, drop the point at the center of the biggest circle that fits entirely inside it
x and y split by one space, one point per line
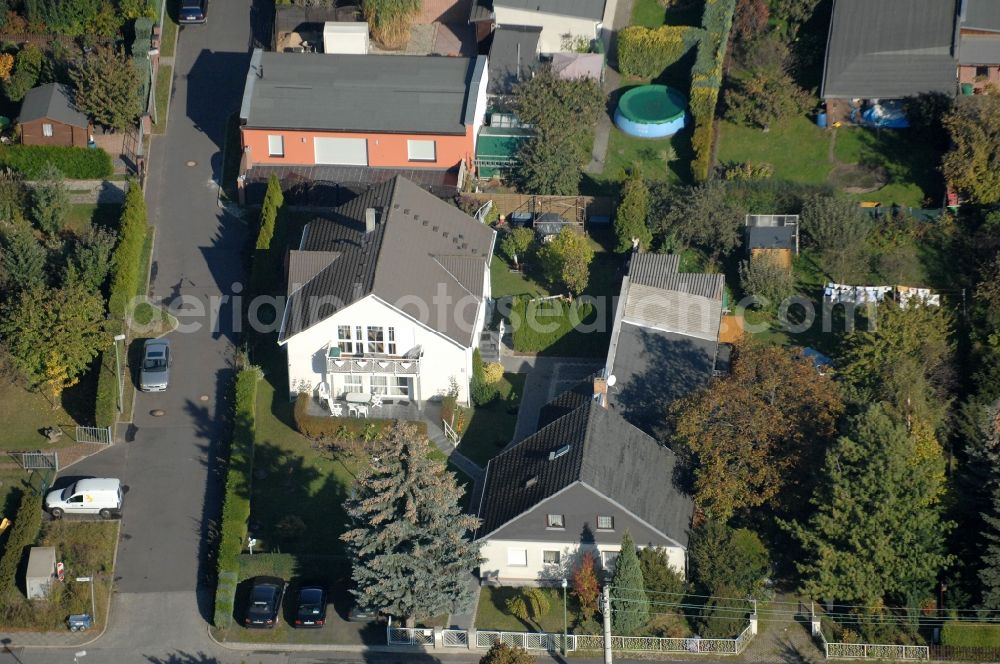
557 561
349 345
401 386
417 150
609 560
354 383
375 346
517 557
380 387
275 145
555 521
390 341
605 528
47 129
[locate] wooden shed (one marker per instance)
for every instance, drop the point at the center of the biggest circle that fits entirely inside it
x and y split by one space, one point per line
49 117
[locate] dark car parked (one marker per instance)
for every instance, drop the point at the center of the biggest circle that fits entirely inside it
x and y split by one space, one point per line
310 607
193 11
362 614
265 602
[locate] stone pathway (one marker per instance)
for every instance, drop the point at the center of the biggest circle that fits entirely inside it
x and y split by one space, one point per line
783 637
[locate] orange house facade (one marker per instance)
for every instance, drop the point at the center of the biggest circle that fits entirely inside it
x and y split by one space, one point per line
376 111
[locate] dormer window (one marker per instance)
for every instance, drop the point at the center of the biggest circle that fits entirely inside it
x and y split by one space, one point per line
562 451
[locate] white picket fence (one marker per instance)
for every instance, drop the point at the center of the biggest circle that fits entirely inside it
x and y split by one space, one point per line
484 639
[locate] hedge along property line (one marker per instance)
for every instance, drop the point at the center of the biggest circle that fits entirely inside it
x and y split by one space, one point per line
319 427
236 505
645 52
706 79
970 634
24 533
74 163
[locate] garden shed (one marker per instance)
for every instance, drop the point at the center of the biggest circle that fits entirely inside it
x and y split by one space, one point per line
41 571
50 117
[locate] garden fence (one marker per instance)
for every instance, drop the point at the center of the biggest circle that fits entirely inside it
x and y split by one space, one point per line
880 651
96 435
37 460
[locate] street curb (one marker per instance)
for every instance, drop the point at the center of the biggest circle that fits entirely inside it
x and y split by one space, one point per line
242 646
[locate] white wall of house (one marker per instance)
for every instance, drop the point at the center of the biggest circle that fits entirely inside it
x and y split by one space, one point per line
503 560
479 117
553 26
442 357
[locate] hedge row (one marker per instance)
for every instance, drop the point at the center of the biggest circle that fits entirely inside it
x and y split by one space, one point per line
236 504
75 163
24 533
319 427
970 635
706 79
645 52
128 254
539 324
106 402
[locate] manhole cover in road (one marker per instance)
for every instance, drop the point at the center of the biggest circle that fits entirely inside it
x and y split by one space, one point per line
158 412
192 162
203 397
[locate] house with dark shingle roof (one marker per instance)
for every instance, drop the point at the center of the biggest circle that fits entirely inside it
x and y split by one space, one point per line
577 19
578 484
385 112
387 297
49 116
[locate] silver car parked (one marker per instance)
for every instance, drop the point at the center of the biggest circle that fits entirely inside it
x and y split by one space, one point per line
155 372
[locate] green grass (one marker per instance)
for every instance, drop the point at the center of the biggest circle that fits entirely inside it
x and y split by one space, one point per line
491 427
168 35
799 152
83 216
505 282
87 549
649 13
164 82
24 413
492 614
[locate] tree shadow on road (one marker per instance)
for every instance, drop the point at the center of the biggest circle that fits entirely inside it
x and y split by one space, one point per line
183 658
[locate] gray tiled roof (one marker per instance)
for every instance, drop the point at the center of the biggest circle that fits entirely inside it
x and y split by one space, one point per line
889 48
771 237
52 101
605 453
653 369
979 50
402 261
592 9
982 15
653 269
304 265
513 56
390 93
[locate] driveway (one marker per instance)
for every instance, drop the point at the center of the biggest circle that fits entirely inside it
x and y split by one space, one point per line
547 378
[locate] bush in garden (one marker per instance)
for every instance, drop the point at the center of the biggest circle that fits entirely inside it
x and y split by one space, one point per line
645 52
585 585
74 163
537 601
23 533
493 373
481 391
517 607
132 238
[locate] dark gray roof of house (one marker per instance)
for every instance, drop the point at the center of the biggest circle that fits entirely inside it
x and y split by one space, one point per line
771 237
653 369
979 50
53 101
605 453
390 93
421 248
566 403
513 56
982 15
304 265
889 48
592 9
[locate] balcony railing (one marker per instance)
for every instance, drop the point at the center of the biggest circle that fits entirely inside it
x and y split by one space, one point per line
373 363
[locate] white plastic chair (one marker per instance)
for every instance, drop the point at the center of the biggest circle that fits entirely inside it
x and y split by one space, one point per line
362 411
376 401
352 410
336 410
323 391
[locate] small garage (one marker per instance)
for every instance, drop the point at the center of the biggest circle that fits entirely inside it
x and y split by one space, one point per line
50 117
341 151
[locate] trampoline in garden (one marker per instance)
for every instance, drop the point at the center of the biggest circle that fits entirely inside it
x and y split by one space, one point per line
651 111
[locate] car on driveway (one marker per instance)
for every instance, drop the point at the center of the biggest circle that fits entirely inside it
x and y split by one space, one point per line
362 614
310 606
265 602
154 374
193 11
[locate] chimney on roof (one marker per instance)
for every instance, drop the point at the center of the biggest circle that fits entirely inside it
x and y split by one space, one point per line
370 218
601 390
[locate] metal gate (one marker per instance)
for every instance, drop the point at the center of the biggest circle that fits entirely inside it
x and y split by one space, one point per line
37 460
96 435
454 638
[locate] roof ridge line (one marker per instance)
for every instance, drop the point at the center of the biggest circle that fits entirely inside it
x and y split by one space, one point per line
535 433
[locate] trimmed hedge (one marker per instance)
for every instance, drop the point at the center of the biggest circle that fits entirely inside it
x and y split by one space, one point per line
529 316
74 163
106 402
970 635
128 254
24 533
317 427
706 79
236 504
645 52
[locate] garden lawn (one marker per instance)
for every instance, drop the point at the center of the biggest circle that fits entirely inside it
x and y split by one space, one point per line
911 164
164 81
24 413
492 614
797 149
83 216
87 549
505 282
491 427
649 13
168 34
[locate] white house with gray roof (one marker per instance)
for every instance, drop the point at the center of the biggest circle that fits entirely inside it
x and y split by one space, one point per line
388 297
557 19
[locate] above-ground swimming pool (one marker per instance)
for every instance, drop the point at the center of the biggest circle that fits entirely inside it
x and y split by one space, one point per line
651 111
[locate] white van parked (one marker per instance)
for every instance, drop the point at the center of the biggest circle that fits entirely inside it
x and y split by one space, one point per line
101 496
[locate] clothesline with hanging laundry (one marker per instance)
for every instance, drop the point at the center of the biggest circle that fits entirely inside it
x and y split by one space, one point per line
845 294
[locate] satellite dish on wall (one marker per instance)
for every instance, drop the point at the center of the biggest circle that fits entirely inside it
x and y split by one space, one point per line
612 379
